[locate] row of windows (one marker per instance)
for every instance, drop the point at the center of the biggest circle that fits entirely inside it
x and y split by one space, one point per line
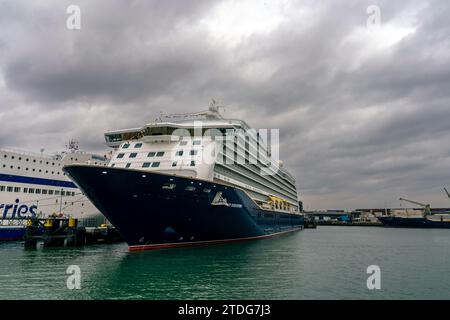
41 162
150 164
37 191
182 143
231 171
34 170
134 155
153 154
34 160
154 164
192 153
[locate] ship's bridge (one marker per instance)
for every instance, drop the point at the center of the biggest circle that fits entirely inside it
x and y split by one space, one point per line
166 130
208 122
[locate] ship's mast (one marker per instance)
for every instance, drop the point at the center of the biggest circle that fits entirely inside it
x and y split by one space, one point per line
213 112
72 145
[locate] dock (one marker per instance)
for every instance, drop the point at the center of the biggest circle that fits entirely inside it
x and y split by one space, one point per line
350 224
65 232
310 222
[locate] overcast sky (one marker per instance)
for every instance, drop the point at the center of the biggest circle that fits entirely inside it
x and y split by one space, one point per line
363 113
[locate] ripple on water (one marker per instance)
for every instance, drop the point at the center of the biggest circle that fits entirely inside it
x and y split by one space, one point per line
327 263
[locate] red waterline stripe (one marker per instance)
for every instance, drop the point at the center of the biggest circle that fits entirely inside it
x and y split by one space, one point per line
204 243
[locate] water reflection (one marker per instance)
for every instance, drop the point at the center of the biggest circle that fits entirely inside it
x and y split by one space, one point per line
221 272
327 263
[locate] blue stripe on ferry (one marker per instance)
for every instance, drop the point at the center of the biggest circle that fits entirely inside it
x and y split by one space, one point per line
41 181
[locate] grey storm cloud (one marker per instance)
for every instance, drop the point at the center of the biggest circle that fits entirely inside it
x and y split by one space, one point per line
363 113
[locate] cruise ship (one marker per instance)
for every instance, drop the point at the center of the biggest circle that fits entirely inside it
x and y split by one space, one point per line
192 179
34 184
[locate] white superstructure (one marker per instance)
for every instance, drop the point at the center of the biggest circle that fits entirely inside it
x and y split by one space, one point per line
34 184
208 147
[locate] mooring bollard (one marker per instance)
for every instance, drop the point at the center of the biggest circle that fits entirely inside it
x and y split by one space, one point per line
32 228
51 237
72 233
80 239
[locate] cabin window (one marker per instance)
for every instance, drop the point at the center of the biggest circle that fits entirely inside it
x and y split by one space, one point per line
25 190
160 154
138 145
120 155
183 143
158 131
146 165
190 188
9 189
44 191
133 155
155 164
126 146
193 152
196 142
114 138
174 164
180 153
31 190
16 189
128 165
151 154
50 192
192 163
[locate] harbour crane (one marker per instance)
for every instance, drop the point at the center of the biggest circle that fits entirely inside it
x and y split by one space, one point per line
427 207
446 191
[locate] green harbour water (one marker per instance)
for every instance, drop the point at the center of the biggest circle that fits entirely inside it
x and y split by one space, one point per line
326 263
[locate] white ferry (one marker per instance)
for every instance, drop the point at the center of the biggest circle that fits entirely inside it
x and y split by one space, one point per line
34 184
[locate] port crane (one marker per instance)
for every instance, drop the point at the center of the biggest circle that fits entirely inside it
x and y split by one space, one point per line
446 191
427 207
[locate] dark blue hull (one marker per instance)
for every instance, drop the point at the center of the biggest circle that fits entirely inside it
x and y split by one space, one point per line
399 222
153 210
11 233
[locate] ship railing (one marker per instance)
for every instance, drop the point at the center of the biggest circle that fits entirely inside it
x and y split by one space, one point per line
13 222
